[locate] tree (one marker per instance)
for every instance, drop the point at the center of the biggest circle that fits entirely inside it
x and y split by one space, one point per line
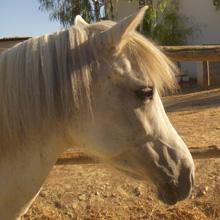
164 24
65 10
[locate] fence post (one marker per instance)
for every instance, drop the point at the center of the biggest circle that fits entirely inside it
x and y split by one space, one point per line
206 75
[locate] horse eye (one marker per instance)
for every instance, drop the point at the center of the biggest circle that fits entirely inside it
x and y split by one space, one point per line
145 93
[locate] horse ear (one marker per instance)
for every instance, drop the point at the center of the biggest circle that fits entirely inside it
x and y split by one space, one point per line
114 36
80 22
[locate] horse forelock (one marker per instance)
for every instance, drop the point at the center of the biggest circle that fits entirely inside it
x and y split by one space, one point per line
152 62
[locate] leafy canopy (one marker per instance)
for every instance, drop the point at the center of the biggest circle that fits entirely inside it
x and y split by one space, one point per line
162 23
66 10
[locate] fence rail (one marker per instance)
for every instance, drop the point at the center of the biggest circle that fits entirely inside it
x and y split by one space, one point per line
203 53
193 52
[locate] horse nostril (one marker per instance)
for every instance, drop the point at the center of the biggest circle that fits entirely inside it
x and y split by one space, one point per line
186 182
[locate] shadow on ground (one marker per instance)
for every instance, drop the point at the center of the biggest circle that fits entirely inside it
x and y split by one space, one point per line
193 101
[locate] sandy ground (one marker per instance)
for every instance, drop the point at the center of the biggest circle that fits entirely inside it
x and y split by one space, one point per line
94 191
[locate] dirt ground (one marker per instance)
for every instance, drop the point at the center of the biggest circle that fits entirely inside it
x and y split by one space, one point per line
95 191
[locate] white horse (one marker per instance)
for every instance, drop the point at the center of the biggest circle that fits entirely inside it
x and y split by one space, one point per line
94 86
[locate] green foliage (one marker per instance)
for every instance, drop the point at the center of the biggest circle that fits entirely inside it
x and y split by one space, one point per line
164 24
216 3
66 10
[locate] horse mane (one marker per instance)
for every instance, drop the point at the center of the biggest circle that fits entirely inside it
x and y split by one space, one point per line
153 64
44 80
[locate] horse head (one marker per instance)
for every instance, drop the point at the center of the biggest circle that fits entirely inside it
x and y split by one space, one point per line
129 127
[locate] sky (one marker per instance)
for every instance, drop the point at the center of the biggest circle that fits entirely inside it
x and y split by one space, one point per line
23 18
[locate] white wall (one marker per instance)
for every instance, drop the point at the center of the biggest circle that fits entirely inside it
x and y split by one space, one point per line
204 16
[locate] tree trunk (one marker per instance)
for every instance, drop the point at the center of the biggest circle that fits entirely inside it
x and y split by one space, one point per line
97 10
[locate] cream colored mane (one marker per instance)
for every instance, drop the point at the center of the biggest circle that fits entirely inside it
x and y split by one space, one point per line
45 80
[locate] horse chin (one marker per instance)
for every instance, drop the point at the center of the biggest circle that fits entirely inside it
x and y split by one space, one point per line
169 194
166 193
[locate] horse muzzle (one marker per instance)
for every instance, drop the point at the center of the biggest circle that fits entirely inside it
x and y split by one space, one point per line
172 171
172 192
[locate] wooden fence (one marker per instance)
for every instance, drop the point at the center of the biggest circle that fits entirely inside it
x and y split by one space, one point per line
203 53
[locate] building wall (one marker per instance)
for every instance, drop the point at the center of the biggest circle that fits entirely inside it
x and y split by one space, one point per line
205 16
6 44
10 42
